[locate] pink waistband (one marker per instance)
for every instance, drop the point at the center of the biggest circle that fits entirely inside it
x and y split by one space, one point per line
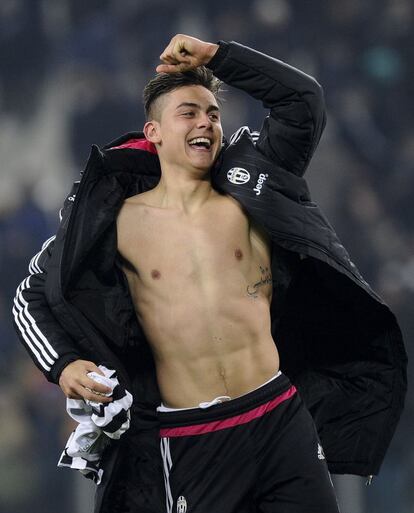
236 420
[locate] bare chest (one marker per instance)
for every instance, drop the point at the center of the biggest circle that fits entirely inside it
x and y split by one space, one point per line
167 246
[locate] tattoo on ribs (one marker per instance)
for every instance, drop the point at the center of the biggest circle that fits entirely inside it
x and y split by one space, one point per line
266 279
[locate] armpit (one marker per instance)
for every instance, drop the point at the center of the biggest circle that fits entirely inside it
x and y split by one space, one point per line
124 264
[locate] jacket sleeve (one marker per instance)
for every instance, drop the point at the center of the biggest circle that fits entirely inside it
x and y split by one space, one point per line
41 334
291 131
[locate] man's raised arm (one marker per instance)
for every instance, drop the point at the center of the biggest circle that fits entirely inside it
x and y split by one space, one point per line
291 132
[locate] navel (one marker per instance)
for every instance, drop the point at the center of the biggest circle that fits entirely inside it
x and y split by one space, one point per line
238 254
155 274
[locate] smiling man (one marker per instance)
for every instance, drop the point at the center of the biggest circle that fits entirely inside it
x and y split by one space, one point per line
198 275
196 267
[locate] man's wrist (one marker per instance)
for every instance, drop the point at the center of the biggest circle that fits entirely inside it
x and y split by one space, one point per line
59 366
220 53
211 51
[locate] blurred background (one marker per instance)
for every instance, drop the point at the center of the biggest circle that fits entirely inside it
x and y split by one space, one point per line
71 74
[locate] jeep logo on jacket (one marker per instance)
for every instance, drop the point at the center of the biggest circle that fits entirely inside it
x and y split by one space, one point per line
260 182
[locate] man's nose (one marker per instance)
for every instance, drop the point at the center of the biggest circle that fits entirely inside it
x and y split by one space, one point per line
204 121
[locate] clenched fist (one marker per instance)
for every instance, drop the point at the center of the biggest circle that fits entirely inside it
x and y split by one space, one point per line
77 385
184 53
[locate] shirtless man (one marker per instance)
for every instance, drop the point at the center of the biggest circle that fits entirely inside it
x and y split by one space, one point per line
202 287
235 436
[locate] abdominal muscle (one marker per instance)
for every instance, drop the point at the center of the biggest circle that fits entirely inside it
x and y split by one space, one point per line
208 344
202 286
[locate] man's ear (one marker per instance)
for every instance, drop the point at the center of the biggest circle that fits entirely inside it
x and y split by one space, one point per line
152 131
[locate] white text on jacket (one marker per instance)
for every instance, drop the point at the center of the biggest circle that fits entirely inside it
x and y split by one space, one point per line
260 182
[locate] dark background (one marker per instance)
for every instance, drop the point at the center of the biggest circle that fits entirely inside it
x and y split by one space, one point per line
71 74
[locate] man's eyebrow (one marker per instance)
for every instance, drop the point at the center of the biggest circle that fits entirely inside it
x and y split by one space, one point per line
197 106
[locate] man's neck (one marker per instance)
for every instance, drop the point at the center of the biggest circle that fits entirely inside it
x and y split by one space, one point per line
181 191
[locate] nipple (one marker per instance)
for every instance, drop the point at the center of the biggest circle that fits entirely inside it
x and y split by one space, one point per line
238 254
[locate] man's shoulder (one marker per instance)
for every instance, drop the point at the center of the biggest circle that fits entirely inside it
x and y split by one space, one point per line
139 202
227 200
139 199
132 207
227 207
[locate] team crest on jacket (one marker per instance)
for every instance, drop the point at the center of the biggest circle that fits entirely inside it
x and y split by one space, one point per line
238 175
181 504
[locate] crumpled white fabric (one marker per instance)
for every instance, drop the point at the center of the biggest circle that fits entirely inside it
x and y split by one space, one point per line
98 423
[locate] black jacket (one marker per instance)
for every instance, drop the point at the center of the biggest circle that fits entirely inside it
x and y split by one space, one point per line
338 342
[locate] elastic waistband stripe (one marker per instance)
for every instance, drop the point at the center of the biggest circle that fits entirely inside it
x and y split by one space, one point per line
216 425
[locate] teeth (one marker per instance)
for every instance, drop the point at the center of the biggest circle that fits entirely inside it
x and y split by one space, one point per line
200 140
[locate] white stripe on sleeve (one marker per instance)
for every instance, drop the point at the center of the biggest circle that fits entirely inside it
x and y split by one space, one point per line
31 333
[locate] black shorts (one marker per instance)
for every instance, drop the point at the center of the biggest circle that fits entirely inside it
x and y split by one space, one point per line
256 453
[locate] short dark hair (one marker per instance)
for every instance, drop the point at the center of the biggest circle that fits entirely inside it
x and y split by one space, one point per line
163 83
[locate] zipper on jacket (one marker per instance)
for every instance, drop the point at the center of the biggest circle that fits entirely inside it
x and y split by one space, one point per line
369 480
72 217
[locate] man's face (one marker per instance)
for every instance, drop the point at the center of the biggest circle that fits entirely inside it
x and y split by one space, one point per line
187 114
